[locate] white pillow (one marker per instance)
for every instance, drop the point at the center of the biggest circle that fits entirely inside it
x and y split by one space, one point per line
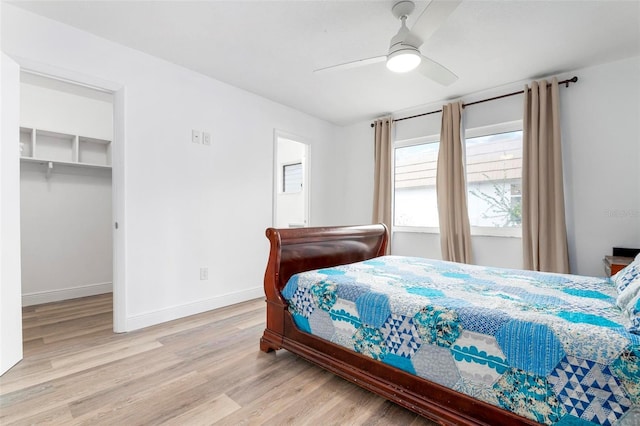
634 314
627 294
626 275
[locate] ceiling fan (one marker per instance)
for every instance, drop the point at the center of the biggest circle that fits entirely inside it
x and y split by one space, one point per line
404 53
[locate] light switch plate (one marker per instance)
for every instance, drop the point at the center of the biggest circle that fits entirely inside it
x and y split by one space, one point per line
195 136
206 138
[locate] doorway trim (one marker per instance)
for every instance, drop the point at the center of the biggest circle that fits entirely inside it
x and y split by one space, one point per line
117 171
280 134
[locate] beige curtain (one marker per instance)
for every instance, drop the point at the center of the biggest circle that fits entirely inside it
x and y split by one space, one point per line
544 232
382 172
455 232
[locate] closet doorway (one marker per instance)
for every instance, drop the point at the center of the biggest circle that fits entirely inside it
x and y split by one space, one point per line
291 182
66 190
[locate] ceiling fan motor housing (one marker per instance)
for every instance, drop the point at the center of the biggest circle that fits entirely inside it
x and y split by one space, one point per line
403 53
403 8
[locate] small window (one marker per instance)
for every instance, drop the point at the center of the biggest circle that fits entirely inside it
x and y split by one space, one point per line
292 177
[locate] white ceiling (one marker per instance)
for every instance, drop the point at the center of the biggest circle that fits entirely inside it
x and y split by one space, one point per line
271 47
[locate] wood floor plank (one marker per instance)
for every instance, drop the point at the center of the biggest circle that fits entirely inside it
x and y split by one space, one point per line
68 328
146 406
97 386
57 416
160 370
64 335
303 404
344 403
209 412
259 406
74 367
202 370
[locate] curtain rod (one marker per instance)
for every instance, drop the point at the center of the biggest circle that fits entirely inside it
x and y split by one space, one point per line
574 79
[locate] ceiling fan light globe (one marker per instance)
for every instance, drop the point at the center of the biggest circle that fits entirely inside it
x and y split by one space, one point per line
403 61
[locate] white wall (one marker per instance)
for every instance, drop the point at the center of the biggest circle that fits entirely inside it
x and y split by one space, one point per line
66 220
66 233
601 129
50 105
10 324
357 153
180 213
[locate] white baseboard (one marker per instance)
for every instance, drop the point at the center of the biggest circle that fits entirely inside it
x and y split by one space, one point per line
147 319
39 297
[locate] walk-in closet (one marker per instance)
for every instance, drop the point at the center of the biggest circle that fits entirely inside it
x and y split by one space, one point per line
65 190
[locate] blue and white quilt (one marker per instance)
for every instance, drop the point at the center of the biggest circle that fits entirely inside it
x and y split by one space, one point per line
550 347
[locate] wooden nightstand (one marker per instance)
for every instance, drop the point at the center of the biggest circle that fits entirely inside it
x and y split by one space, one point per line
613 264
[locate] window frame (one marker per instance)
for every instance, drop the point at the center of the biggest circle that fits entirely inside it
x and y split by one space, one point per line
480 231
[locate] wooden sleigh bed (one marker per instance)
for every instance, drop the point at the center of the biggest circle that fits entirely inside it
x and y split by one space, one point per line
294 251
305 249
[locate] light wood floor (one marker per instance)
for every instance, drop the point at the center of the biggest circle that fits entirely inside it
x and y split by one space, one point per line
201 370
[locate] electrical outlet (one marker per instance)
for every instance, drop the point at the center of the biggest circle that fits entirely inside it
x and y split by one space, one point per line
206 138
204 273
195 136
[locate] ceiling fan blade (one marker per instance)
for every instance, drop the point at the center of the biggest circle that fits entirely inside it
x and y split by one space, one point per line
436 72
353 64
433 16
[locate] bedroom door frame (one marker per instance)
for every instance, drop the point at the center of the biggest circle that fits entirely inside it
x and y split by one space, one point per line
117 172
280 134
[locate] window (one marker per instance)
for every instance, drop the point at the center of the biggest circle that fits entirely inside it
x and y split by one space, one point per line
292 177
415 202
494 179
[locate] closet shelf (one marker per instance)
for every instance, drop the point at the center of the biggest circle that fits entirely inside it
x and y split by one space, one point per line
45 146
44 161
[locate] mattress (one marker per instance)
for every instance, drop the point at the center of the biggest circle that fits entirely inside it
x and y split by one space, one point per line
550 347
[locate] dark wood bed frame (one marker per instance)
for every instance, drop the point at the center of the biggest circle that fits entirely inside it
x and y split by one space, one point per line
303 249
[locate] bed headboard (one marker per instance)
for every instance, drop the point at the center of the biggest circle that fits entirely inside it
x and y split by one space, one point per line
302 249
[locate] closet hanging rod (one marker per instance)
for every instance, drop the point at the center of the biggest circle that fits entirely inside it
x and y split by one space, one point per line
566 82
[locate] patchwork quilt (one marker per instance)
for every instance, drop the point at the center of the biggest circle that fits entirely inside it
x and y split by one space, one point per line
550 347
